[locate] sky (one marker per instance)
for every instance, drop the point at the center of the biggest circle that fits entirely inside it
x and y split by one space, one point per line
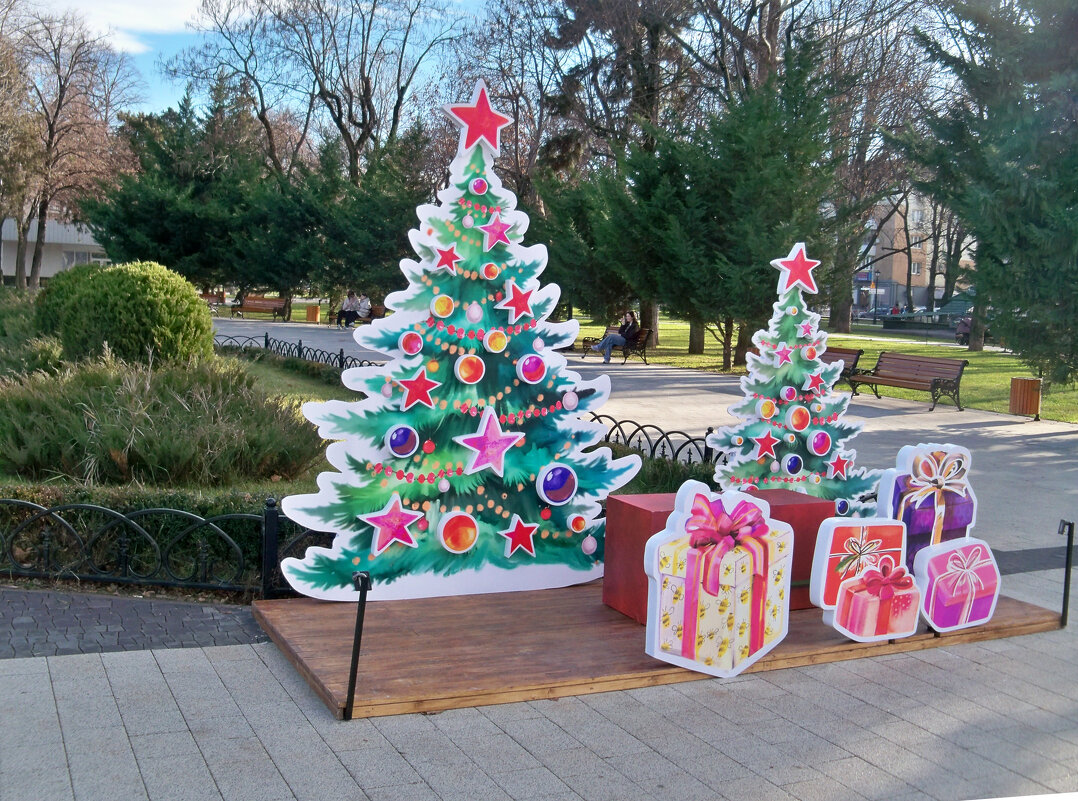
147 31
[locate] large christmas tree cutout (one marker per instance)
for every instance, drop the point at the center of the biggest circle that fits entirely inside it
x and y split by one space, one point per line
793 431
464 469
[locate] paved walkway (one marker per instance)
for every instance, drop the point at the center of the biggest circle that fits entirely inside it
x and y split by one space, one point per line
974 721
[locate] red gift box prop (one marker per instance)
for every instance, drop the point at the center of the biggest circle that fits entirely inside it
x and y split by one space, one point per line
632 519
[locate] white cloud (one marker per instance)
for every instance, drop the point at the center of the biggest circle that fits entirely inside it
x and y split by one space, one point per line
123 20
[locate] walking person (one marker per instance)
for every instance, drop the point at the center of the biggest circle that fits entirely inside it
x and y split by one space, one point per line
627 332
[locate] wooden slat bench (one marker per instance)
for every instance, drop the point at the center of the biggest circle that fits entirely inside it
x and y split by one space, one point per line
377 311
848 356
587 342
259 303
635 347
939 376
214 300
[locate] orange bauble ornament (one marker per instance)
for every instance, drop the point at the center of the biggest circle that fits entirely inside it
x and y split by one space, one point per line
458 532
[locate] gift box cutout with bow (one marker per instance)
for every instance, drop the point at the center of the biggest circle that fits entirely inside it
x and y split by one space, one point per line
718 582
845 547
959 583
882 603
929 491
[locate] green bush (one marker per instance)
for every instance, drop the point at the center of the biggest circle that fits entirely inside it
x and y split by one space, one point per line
20 350
50 302
662 475
139 311
111 422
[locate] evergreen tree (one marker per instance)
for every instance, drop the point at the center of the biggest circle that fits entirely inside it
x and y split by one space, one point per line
1004 158
793 430
465 467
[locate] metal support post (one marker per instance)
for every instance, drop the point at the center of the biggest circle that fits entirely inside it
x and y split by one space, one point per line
361 580
270 534
1066 528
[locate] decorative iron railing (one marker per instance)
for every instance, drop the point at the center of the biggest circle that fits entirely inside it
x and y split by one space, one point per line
296 350
652 441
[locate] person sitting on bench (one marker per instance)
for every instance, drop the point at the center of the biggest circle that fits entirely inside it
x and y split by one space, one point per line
627 332
353 309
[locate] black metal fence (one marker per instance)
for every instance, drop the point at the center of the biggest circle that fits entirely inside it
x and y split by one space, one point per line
655 443
296 350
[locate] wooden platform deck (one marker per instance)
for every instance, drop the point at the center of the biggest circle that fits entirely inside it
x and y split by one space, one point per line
446 653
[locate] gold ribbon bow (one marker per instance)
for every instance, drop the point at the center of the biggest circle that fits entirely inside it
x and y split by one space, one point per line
933 474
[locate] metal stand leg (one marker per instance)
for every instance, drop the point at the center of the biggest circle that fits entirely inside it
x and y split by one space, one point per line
1066 528
362 582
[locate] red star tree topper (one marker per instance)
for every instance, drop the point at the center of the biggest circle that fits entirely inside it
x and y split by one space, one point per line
793 429
467 466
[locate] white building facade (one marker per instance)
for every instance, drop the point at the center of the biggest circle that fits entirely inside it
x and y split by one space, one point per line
66 245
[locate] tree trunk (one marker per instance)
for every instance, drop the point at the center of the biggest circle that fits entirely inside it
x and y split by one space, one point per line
727 329
649 318
841 304
20 254
696 337
744 342
976 328
39 245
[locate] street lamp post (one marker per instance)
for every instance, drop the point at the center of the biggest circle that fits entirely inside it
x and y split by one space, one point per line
875 294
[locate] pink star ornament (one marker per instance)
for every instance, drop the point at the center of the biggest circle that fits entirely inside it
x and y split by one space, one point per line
391 525
494 232
490 444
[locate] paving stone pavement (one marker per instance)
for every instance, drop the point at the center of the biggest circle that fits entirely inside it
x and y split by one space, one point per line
50 623
981 720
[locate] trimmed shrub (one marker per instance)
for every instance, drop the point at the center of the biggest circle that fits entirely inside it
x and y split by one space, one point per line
49 303
205 423
20 351
661 475
140 311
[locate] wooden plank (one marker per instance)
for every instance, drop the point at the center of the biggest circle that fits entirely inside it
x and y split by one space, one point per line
434 654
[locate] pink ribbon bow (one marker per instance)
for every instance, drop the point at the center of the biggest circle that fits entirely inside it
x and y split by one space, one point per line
710 524
886 581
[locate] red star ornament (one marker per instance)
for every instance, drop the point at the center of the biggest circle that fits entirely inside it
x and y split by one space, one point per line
391 525
836 468
796 269
518 537
517 302
417 390
814 382
478 121
448 259
494 231
783 355
765 445
490 444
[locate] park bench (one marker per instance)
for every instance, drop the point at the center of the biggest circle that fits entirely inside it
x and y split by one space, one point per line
939 376
587 342
215 300
377 311
259 303
635 347
848 356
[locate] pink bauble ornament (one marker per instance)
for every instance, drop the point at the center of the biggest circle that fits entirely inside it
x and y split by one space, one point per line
479 186
531 369
474 313
819 443
774 466
468 222
410 342
443 485
570 400
387 389
538 344
788 393
589 544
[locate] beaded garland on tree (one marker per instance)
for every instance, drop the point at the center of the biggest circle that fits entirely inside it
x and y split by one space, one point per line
793 431
464 469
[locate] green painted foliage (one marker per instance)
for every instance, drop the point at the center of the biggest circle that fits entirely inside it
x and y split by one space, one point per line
141 311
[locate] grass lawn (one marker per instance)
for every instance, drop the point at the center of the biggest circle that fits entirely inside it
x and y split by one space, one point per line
295 387
986 382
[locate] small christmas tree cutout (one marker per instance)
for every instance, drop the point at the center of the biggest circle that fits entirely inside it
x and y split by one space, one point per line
794 433
466 467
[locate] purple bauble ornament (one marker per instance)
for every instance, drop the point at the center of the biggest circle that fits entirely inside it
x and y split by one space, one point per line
556 484
402 441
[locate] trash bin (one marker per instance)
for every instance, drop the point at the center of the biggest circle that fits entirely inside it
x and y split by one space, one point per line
314 314
1026 397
